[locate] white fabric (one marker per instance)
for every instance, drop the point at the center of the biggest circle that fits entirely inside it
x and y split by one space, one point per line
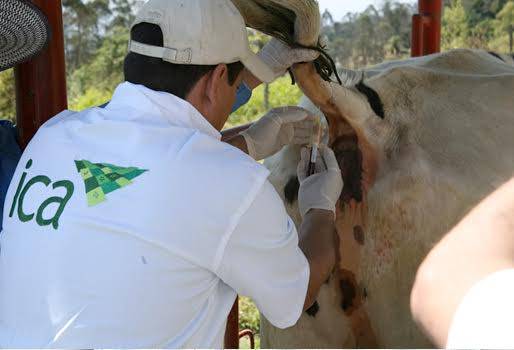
279 127
323 189
263 262
483 320
203 32
280 57
146 267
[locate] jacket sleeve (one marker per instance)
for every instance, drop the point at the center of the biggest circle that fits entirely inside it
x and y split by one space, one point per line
262 260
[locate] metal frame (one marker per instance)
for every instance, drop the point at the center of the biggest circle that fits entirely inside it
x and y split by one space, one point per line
41 87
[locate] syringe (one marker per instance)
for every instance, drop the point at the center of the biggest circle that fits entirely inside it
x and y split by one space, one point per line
315 141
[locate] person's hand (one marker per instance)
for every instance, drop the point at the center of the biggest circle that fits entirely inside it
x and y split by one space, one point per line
323 189
280 127
280 57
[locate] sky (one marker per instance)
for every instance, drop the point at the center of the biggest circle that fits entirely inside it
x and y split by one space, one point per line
338 8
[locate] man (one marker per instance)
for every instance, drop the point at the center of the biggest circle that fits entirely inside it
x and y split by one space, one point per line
462 297
25 32
133 226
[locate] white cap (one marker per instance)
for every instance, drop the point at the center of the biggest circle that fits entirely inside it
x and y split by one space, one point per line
200 32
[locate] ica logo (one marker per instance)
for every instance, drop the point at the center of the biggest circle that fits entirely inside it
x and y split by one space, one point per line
46 214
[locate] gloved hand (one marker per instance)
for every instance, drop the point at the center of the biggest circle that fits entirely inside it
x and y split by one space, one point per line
280 57
280 127
323 189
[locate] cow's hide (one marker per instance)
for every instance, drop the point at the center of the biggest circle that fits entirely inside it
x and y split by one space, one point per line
444 141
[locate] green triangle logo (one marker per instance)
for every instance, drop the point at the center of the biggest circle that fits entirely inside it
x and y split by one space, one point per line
101 179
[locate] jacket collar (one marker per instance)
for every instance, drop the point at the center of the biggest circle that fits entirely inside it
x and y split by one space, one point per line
161 104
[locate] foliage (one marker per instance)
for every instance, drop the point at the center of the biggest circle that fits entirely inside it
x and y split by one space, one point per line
84 84
362 39
481 24
506 22
82 24
282 93
455 26
91 98
249 317
7 99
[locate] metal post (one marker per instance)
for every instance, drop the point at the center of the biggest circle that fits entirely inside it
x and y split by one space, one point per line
426 28
41 82
417 36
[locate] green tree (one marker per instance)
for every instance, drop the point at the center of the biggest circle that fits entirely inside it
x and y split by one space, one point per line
480 10
122 13
93 83
366 38
506 22
455 31
82 29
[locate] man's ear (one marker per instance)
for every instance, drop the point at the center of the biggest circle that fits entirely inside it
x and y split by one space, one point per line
216 78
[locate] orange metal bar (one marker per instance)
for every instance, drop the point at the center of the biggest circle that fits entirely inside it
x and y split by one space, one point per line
417 36
433 10
232 332
41 82
248 333
426 28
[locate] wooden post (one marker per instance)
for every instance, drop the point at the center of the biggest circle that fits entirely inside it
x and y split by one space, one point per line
232 332
41 82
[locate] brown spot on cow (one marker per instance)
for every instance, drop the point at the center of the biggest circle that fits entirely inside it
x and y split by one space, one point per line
352 297
313 310
349 157
358 234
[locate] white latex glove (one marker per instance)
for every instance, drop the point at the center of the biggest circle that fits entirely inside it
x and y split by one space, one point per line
280 57
280 127
323 189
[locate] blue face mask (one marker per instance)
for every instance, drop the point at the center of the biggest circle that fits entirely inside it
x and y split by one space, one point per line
243 95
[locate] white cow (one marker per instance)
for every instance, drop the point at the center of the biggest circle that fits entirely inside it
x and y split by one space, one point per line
420 142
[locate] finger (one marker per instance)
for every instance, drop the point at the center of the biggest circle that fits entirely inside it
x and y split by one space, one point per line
294 114
305 55
305 141
330 159
303 166
307 123
325 139
303 133
320 166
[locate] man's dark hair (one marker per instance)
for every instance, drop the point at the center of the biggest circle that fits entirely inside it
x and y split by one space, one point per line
159 75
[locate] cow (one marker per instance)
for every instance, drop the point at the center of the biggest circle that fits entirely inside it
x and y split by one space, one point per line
419 142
